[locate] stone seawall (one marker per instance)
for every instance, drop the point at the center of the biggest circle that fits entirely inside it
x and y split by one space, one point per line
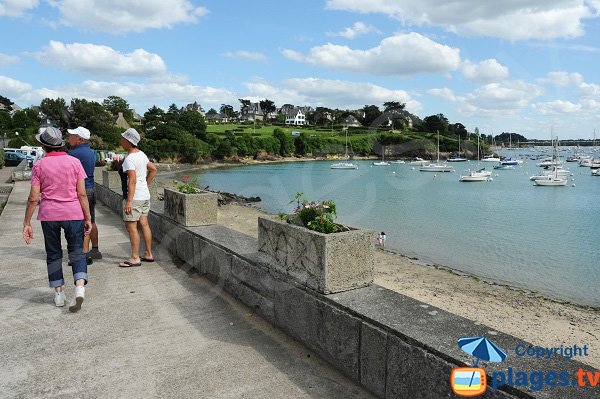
391 344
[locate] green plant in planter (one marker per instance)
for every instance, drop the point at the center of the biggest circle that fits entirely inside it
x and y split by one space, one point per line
314 215
189 186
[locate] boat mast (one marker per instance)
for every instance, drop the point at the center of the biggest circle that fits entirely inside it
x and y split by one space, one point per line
438 148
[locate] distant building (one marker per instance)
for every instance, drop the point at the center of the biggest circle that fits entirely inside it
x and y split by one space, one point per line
121 122
295 116
217 118
351 120
251 113
194 107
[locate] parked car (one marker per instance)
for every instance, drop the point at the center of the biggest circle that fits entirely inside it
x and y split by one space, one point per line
15 158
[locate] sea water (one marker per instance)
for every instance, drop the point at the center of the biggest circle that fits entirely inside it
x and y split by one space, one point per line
544 239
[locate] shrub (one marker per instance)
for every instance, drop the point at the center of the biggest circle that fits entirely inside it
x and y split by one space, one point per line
189 186
1 158
316 216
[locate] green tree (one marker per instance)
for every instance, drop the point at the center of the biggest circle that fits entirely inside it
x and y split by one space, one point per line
458 129
193 122
212 111
6 102
393 105
286 142
244 103
267 106
89 114
436 123
372 112
6 122
227 110
172 115
115 104
25 119
56 110
191 149
153 118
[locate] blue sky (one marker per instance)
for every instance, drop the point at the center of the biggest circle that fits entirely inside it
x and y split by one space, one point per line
525 66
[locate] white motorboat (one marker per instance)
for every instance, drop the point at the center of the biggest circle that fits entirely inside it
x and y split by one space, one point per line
457 159
398 161
437 167
477 175
419 162
586 161
596 172
504 167
549 162
344 165
490 158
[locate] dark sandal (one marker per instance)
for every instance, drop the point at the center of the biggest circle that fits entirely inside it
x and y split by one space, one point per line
147 259
129 264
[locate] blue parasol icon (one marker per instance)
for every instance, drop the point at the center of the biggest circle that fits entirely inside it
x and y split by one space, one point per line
482 348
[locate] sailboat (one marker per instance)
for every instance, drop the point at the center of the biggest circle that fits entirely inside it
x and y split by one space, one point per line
458 158
553 179
383 162
477 175
345 165
437 167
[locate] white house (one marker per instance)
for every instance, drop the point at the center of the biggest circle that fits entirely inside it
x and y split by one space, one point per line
350 120
295 116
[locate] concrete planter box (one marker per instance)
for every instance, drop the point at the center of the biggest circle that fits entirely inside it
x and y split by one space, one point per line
191 209
327 263
111 179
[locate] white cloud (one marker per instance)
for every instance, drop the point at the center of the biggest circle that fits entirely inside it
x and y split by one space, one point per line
247 55
16 8
444 93
8 59
557 107
139 96
13 88
402 54
562 79
121 16
91 59
486 71
359 28
500 98
329 93
571 79
512 20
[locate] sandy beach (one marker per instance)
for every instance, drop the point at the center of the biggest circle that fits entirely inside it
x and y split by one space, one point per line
525 315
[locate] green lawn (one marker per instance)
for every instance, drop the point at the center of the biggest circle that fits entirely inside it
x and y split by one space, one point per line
222 129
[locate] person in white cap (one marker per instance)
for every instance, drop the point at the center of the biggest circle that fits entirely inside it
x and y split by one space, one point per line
60 181
79 141
140 173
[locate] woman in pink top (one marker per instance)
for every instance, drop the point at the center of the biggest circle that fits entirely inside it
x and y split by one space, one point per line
60 179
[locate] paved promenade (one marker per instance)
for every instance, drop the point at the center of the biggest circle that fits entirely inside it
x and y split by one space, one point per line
150 332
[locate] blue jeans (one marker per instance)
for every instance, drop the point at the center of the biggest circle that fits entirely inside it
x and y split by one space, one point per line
74 235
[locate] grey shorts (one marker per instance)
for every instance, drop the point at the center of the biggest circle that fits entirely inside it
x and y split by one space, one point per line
138 209
91 195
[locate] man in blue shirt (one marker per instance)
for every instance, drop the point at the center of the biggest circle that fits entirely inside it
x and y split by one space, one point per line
79 140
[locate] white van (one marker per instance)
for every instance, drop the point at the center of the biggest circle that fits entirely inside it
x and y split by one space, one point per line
35 152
